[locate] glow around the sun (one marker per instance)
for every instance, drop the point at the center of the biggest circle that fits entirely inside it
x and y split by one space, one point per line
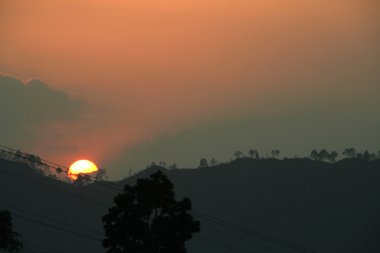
81 167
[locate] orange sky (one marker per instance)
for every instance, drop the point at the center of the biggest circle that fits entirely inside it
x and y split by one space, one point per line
147 68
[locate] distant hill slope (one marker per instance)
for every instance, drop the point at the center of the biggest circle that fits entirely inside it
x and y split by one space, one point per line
324 207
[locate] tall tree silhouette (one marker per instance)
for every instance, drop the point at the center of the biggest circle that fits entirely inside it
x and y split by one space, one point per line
323 155
146 218
314 155
59 171
332 156
257 155
275 153
203 163
8 238
254 154
251 153
366 156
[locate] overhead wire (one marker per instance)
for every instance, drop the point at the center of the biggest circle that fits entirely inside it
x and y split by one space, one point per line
241 239
205 217
222 244
50 187
57 227
251 232
40 247
65 223
49 164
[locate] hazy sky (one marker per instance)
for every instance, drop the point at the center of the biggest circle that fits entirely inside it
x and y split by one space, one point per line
180 80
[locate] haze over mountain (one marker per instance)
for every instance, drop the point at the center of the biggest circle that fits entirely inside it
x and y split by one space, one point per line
319 206
37 115
170 75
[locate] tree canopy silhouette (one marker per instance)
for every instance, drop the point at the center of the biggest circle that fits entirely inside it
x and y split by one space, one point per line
8 238
146 218
237 154
203 163
350 152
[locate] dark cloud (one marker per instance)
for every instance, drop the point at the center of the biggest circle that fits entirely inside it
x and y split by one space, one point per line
25 107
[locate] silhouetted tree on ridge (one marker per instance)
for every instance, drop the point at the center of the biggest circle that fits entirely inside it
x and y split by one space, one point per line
203 163
275 153
323 155
367 156
59 171
350 152
254 154
213 162
314 155
237 154
332 156
100 174
146 218
82 179
8 238
173 166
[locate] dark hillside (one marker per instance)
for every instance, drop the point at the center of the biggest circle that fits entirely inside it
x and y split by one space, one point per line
320 206
36 198
330 208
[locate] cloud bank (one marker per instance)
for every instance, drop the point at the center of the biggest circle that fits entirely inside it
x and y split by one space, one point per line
28 108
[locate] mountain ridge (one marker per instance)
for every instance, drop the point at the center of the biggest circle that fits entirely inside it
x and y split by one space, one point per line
321 206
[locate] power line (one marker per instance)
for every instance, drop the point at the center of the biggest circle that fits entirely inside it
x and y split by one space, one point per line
51 219
241 239
43 248
251 232
206 217
12 208
50 187
29 159
224 244
33 250
57 228
64 168
44 185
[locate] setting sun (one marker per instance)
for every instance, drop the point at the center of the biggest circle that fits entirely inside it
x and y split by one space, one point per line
81 166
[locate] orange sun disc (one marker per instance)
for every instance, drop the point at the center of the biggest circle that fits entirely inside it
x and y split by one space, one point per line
81 167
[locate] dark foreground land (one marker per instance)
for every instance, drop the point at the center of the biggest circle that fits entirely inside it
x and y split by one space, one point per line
315 205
